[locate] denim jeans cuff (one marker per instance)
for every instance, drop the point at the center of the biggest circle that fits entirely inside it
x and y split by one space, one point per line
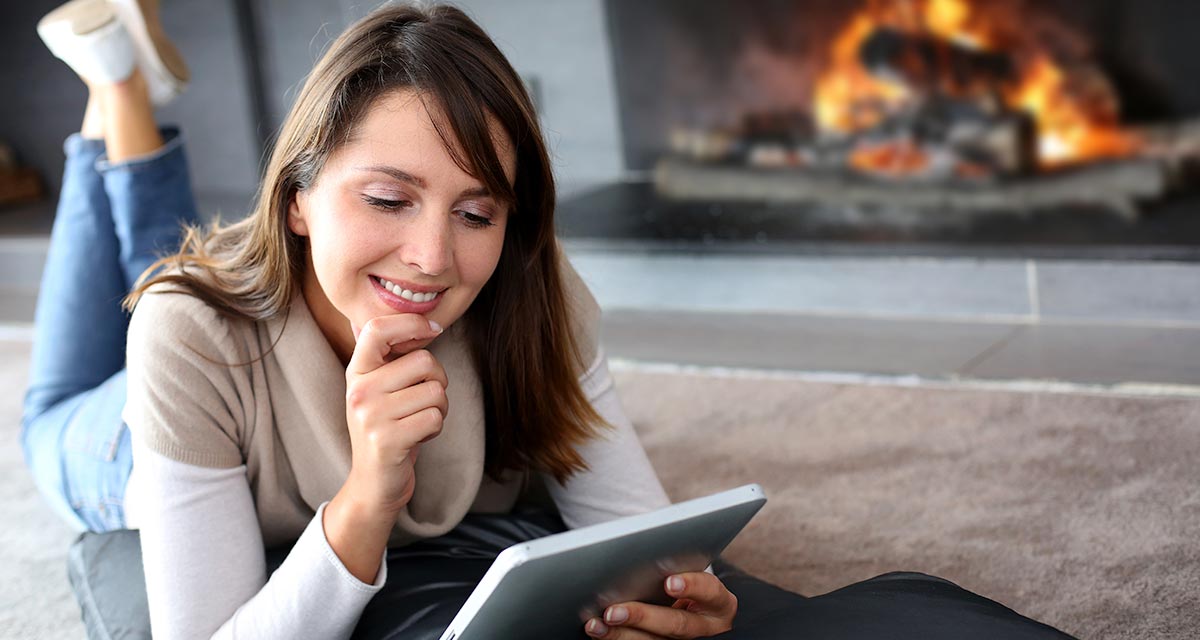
172 144
76 144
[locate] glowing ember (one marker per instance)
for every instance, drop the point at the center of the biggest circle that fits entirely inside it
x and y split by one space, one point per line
1071 127
899 159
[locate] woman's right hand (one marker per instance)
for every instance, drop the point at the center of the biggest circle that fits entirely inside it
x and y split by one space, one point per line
395 400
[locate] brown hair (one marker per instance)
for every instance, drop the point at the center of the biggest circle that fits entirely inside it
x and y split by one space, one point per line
527 359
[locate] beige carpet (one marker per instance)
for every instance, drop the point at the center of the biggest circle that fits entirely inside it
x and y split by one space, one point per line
1082 511
35 598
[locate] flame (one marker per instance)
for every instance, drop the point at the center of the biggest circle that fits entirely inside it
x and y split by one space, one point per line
848 98
950 19
845 93
1067 131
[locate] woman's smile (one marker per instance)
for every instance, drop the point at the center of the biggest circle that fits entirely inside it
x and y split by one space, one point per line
406 297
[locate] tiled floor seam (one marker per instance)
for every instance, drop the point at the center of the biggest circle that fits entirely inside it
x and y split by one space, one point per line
1134 389
993 349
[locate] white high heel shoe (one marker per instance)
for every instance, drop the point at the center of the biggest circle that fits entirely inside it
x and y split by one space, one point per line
88 36
164 69
105 40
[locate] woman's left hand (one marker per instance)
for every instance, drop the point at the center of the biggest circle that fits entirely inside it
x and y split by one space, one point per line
703 608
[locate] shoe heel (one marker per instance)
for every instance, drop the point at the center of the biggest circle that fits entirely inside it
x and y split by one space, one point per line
161 63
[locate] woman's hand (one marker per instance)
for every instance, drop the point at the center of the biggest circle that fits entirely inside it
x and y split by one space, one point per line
703 608
395 400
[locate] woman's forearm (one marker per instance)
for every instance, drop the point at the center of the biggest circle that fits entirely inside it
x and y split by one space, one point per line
357 535
206 573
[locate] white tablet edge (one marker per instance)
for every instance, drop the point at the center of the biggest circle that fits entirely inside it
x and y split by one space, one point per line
523 552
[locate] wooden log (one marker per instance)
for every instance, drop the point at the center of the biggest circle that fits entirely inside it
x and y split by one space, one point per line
1117 187
929 65
1007 143
1176 141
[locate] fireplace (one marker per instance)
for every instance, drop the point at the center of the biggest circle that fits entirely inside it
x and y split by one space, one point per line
1049 128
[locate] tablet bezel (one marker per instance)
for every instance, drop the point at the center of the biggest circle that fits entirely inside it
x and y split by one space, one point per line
724 515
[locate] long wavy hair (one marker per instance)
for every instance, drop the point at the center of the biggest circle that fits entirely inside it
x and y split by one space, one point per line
518 327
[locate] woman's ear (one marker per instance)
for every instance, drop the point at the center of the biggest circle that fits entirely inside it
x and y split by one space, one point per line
295 218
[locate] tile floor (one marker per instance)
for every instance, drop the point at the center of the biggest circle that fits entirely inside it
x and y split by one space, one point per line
1103 356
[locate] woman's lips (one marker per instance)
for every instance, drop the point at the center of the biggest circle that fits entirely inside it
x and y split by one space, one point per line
402 305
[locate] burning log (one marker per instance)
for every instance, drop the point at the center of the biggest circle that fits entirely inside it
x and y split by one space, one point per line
1115 186
955 121
932 66
947 140
925 96
1177 142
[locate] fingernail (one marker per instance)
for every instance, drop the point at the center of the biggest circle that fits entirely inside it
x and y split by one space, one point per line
616 615
435 326
596 628
675 584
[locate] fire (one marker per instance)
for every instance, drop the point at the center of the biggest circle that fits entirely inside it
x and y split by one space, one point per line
950 19
848 98
1068 132
903 158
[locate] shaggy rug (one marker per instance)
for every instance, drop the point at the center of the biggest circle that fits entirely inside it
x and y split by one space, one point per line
1077 509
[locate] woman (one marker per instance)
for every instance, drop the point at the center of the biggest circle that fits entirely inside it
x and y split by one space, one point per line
361 381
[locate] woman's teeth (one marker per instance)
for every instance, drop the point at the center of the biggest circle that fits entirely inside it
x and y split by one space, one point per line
406 294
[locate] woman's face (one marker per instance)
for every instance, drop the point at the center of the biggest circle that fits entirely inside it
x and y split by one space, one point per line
395 226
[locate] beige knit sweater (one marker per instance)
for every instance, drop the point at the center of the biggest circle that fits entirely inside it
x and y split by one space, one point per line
283 415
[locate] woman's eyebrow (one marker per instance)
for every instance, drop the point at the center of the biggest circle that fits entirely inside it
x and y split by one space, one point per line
418 181
402 176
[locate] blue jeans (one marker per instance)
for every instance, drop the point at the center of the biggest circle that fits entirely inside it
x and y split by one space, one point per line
113 221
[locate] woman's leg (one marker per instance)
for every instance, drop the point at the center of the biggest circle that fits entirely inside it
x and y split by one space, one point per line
897 605
79 327
115 212
146 179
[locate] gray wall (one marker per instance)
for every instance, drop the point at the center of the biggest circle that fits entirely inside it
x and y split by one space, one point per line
48 99
561 45
564 45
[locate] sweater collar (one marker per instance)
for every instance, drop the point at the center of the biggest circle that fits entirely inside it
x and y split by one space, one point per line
449 469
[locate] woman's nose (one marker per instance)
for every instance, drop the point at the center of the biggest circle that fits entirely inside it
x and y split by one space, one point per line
428 243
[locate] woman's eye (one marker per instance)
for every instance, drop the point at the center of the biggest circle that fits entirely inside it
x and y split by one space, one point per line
385 204
475 220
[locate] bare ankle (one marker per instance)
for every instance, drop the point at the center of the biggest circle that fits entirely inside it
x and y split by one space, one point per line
132 88
129 126
93 118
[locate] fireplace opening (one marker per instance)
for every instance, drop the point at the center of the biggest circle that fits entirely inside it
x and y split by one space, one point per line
1030 125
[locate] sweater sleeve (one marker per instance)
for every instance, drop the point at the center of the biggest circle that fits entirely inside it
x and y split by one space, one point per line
206 570
620 480
184 399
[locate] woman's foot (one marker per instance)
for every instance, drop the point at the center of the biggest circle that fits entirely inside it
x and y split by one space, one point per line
161 64
88 36
105 40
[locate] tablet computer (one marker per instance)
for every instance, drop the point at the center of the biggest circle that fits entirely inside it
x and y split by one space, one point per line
551 586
